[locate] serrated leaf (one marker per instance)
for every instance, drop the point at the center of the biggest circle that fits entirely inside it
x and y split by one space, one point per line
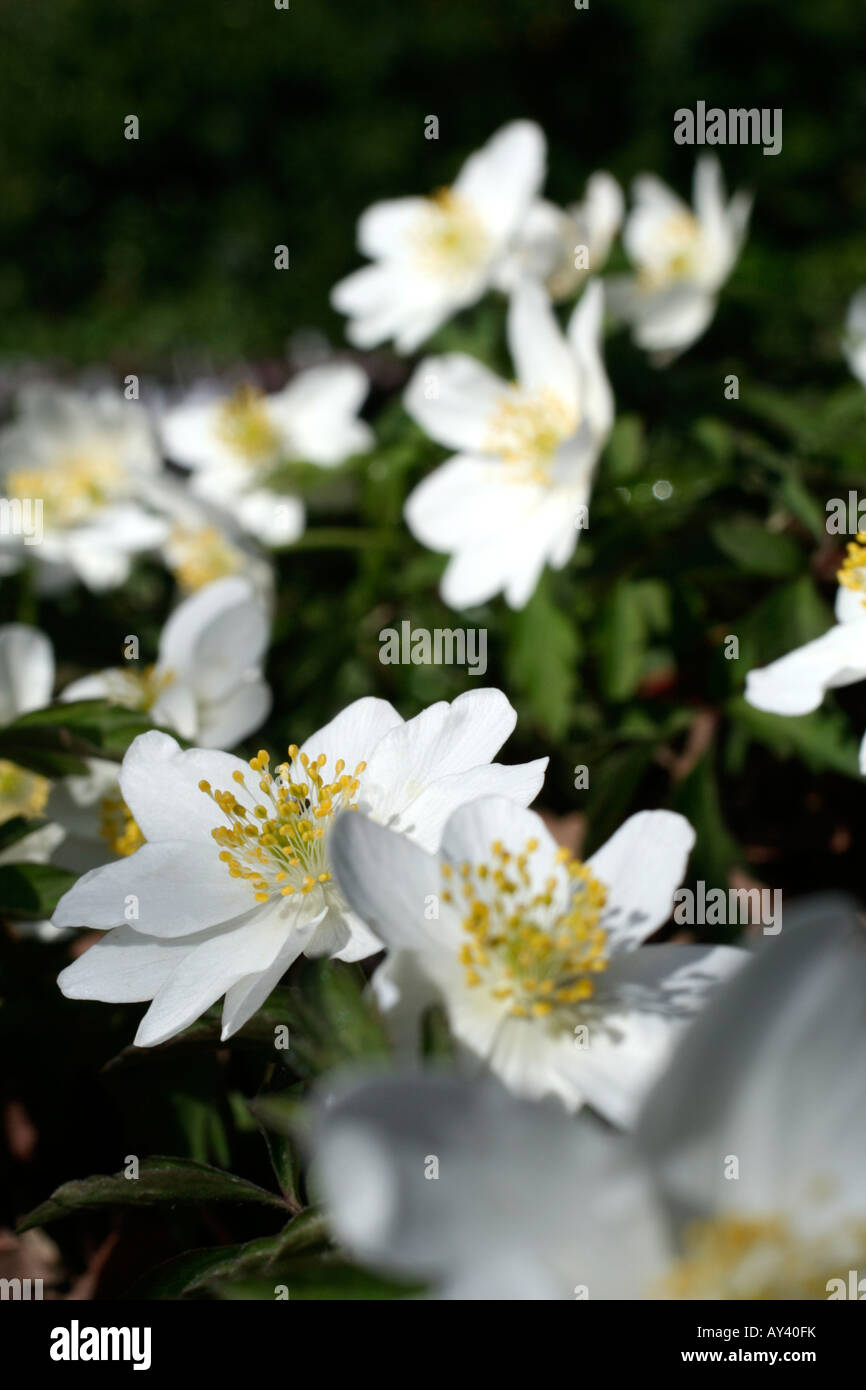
169 1181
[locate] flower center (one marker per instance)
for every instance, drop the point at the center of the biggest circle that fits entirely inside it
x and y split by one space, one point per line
117 826
676 254
243 425
853 571
137 689
22 793
72 488
449 239
278 841
198 555
526 430
519 946
734 1257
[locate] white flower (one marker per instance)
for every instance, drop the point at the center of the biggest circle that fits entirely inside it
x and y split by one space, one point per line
26 683
205 543
435 256
854 342
226 895
743 1179
798 682
86 461
206 685
535 956
682 258
515 496
234 442
560 246
520 1190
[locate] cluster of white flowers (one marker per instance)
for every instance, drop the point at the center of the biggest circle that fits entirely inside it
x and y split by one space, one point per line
402 843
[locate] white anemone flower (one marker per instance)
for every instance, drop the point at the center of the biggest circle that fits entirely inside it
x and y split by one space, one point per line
206 685
562 246
515 497
520 1190
26 684
205 543
854 342
234 442
798 682
682 257
233 881
743 1178
536 957
78 467
435 256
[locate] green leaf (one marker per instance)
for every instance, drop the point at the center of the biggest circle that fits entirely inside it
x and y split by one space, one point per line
625 449
755 549
541 658
192 1272
56 740
32 891
11 831
623 640
170 1181
822 739
326 1277
716 852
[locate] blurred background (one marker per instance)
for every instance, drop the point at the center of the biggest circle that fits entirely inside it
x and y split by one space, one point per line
261 127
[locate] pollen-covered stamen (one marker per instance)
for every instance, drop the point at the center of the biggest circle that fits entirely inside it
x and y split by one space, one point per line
853 571
137 689
245 427
277 840
520 944
197 555
678 244
526 430
71 488
449 238
762 1257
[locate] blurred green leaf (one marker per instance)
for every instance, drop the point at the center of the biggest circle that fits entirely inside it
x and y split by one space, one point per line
32 891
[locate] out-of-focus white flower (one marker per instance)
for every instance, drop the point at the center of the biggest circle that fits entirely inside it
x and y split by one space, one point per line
534 955
798 682
681 257
234 879
435 256
515 496
519 1194
560 247
80 464
233 443
743 1178
854 342
26 683
205 543
206 685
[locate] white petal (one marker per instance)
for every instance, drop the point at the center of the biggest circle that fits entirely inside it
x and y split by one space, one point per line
501 179
123 968
389 883
642 865
26 670
585 336
425 817
177 889
453 399
796 683
354 733
538 348
160 785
